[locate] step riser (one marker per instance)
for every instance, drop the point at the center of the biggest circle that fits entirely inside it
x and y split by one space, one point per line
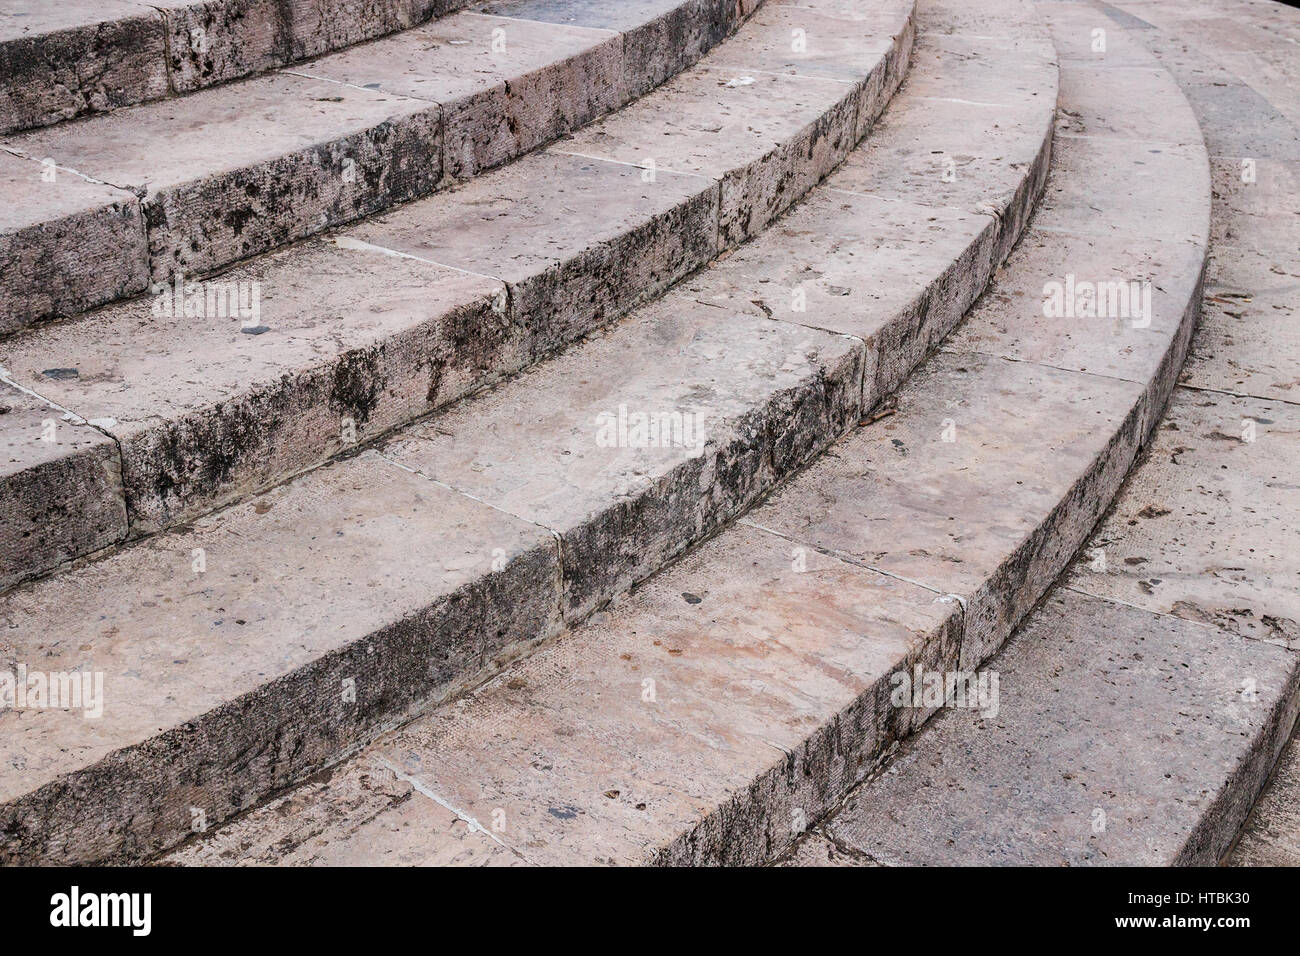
175 470
45 76
67 265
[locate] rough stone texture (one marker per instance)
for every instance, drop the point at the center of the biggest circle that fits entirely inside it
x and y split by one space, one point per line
496 103
360 814
987 155
992 515
761 399
347 344
661 38
699 720
767 138
211 42
1201 531
60 487
224 685
1271 837
1169 184
60 60
836 41
895 274
65 244
816 850
578 241
322 154
1164 726
1249 334
1147 349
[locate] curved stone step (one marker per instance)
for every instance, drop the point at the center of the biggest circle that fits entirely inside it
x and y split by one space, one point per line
192 184
206 410
616 739
67 59
739 695
1144 703
529 505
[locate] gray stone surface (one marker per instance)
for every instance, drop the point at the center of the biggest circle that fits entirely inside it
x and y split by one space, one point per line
212 42
65 244
60 487
1271 837
505 86
244 653
992 515
209 408
1121 737
360 814
766 139
699 720
1202 530
60 60
1249 335
578 241
893 273
323 154
660 37
755 400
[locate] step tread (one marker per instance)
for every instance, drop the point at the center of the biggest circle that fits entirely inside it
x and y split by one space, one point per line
1095 755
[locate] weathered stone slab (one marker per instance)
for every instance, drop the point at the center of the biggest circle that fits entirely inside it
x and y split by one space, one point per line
739 403
505 86
65 244
815 850
578 241
242 655
893 273
1083 33
983 484
1271 837
1093 101
699 720
1122 737
1113 307
1248 337
60 60
660 37
1201 532
240 382
867 47
936 149
324 154
1126 188
766 138
211 42
359 814
60 487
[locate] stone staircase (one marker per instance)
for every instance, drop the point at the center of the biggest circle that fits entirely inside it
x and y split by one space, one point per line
581 502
